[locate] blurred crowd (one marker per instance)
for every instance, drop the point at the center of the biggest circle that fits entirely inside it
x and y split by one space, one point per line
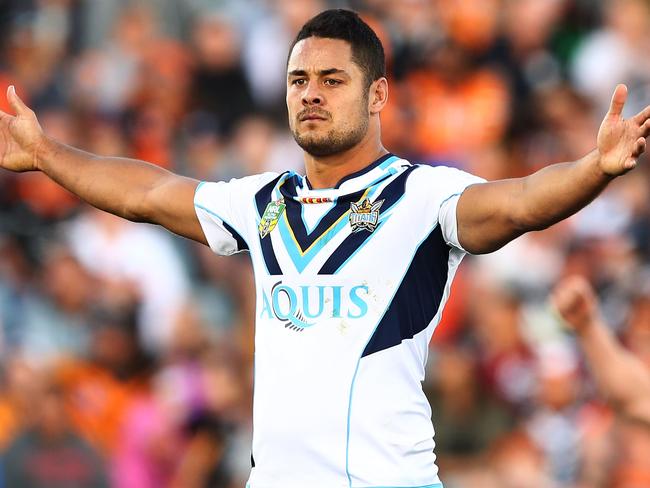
126 353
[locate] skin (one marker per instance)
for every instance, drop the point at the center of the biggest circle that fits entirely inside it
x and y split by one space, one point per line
489 215
323 82
620 376
128 188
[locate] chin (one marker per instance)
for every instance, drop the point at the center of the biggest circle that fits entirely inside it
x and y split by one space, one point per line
319 149
323 143
324 147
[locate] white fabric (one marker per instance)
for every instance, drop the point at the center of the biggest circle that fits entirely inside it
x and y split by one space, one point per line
145 256
325 413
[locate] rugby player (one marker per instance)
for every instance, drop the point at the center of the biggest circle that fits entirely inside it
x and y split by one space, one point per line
353 260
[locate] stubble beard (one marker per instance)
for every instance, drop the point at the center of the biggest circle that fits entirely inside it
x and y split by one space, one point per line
335 141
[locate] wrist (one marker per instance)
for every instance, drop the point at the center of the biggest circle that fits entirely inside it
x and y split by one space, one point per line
599 164
43 150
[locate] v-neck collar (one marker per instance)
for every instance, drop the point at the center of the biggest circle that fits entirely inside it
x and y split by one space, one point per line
298 187
356 174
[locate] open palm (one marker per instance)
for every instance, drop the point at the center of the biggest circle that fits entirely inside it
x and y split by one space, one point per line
622 141
20 136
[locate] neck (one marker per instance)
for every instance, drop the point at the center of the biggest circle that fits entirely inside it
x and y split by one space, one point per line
327 171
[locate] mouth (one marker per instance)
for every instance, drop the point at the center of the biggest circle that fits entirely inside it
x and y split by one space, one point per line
311 117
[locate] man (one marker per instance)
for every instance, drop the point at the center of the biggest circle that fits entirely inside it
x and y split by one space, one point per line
353 261
620 375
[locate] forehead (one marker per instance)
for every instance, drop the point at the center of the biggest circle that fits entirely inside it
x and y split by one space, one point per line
317 53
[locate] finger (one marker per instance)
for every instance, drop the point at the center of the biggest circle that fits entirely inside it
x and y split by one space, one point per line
642 116
645 128
618 101
16 103
639 147
5 117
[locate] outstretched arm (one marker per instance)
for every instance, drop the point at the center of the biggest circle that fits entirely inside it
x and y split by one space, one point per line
492 214
129 188
620 375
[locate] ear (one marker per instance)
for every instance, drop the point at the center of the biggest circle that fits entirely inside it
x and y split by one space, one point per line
378 95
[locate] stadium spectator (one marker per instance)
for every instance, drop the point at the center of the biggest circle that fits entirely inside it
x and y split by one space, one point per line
620 375
114 77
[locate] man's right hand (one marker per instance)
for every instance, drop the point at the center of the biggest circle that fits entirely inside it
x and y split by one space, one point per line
21 136
575 301
129 188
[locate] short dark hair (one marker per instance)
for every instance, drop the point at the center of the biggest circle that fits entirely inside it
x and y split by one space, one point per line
367 50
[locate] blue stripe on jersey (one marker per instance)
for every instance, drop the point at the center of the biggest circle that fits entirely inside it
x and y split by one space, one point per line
309 229
347 433
301 258
262 199
383 162
241 242
293 213
393 192
418 297
305 237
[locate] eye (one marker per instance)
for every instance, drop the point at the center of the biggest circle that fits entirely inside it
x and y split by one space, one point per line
298 81
332 82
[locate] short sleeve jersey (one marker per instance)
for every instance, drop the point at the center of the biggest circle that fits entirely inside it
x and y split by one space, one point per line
350 285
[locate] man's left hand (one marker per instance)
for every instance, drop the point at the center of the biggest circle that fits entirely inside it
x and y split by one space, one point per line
622 141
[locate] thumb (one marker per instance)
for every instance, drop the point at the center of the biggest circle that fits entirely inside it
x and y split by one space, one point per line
16 103
618 101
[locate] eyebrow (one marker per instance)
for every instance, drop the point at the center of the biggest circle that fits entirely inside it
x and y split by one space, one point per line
323 72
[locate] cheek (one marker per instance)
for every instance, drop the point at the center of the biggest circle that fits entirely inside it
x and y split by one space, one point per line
294 100
292 109
351 112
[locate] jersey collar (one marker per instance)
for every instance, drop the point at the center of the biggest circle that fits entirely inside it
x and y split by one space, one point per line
298 187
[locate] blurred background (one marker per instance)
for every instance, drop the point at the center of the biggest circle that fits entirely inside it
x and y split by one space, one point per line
126 353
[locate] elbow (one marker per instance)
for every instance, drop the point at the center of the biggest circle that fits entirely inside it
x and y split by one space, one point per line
508 231
137 208
527 221
487 247
533 226
527 214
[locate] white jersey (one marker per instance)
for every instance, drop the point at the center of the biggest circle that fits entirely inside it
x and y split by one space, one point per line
350 283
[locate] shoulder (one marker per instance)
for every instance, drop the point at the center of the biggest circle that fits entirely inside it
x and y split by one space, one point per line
251 183
441 177
237 191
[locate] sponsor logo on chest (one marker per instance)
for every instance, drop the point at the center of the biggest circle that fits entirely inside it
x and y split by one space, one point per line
301 307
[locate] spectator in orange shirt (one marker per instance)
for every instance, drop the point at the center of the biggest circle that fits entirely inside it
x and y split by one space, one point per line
100 390
456 109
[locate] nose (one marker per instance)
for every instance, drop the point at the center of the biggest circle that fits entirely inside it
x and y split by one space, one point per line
312 95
